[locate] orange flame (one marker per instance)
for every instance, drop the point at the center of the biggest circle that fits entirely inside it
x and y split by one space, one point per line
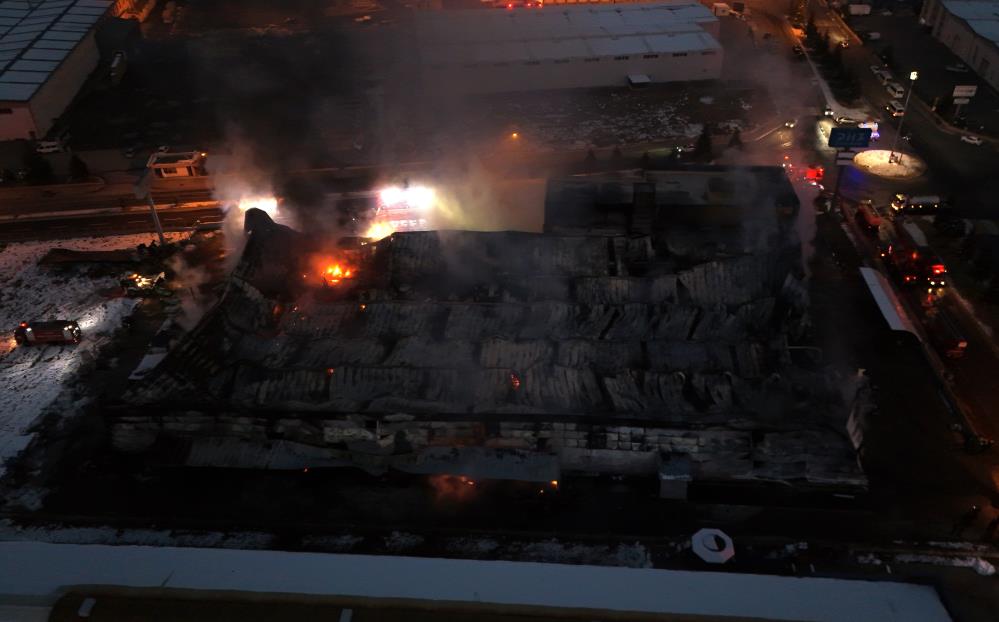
333 272
456 487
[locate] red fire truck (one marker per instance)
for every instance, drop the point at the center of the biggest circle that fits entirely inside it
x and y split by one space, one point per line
914 262
56 331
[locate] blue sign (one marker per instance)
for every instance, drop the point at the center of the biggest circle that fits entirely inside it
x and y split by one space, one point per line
849 137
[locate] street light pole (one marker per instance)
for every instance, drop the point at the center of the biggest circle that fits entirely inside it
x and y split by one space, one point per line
905 109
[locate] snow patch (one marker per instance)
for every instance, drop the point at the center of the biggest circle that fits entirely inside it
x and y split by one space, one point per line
31 378
399 541
977 564
553 551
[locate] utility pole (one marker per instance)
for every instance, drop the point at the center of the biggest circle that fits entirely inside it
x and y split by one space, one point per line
905 109
143 191
156 219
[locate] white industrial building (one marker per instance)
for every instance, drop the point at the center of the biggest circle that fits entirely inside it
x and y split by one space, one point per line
47 50
970 28
565 46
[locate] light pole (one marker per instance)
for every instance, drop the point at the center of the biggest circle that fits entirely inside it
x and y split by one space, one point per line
905 108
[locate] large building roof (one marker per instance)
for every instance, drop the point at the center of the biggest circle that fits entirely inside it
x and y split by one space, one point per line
563 32
36 36
982 16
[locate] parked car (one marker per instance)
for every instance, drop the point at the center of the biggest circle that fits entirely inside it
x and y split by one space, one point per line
957 68
895 109
798 51
48 146
971 140
896 90
846 121
883 75
163 149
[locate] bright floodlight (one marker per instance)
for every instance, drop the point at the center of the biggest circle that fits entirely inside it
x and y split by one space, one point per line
913 75
419 197
265 203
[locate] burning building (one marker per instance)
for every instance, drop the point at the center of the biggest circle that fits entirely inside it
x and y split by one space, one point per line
650 331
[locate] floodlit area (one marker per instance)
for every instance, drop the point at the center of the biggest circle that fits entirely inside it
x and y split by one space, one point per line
885 163
34 378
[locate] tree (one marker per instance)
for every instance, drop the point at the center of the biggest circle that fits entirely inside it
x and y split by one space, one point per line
824 47
887 56
811 32
78 168
944 105
702 149
836 64
38 168
736 140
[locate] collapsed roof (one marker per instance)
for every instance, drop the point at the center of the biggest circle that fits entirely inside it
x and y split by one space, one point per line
501 327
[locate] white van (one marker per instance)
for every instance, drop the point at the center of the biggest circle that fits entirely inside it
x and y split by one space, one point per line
895 90
896 109
48 146
884 76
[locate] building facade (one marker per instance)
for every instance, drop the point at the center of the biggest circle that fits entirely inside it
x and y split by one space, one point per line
970 28
47 51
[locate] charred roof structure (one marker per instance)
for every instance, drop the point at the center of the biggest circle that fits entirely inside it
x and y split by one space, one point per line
660 345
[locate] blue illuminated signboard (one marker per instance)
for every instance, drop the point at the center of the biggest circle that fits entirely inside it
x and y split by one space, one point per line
849 137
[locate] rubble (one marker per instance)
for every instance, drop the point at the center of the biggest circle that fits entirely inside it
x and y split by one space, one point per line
601 353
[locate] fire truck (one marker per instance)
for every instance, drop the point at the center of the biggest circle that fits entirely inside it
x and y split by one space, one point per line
926 204
56 331
914 262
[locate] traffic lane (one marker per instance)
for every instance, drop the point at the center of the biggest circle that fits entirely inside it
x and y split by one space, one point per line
975 374
825 22
106 224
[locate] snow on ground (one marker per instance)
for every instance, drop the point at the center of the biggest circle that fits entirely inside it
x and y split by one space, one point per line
31 378
9 532
876 161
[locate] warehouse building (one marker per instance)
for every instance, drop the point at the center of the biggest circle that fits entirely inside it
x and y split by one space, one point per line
588 46
650 332
970 28
47 51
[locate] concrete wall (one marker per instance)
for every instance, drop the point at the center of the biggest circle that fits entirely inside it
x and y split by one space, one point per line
575 73
580 447
52 99
18 123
